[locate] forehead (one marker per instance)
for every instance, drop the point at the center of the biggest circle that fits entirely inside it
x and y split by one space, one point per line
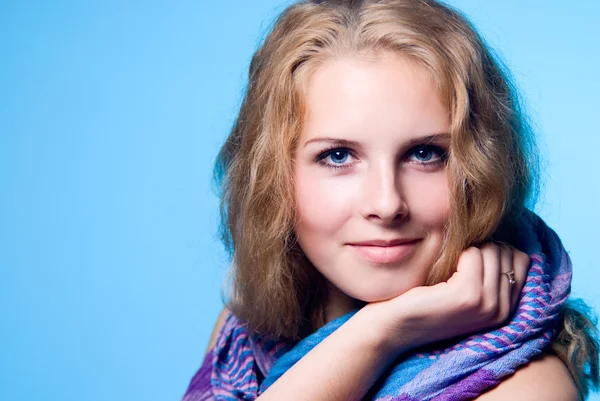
372 95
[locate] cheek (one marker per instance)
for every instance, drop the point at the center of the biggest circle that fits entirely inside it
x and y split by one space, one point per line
321 204
429 199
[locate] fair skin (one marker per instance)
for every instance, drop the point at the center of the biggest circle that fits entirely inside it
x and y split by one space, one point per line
373 184
371 109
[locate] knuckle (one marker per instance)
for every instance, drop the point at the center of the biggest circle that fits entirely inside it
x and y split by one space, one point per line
503 313
490 247
470 256
489 310
507 249
519 253
471 252
471 299
523 258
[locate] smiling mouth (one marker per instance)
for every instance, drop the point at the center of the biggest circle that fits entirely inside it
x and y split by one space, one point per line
384 254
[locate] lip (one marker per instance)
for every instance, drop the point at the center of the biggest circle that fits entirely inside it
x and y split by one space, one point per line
380 242
384 251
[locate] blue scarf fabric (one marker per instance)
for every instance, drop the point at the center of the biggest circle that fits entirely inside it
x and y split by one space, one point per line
462 370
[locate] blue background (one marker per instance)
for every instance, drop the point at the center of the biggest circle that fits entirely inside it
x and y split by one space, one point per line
111 114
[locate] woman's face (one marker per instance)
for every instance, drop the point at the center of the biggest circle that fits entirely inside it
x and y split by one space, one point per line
370 174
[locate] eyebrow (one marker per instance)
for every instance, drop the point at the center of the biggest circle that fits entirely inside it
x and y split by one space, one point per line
412 141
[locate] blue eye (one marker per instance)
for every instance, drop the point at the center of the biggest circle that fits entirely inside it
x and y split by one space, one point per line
424 155
423 151
430 156
335 158
339 156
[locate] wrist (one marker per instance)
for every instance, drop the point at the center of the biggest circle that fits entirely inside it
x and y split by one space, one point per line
388 342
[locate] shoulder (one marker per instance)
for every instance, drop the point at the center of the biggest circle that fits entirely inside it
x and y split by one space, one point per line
220 321
544 378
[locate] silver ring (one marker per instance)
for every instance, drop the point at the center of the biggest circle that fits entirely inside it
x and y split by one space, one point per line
511 277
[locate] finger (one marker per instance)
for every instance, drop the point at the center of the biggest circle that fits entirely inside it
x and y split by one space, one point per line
491 270
506 290
470 268
521 264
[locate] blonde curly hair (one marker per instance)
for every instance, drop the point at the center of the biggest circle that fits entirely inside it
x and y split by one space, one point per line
274 288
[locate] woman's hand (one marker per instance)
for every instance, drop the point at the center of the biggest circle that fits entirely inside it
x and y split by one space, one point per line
478 296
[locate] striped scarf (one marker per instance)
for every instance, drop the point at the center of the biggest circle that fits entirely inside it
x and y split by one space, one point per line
242 366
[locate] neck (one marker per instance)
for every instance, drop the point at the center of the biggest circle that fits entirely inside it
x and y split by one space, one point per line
339 303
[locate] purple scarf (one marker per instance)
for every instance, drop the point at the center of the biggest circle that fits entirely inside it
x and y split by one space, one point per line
242 366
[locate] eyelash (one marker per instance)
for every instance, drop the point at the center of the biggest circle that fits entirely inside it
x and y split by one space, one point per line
443 156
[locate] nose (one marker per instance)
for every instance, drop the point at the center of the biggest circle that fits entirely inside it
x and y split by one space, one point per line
383 199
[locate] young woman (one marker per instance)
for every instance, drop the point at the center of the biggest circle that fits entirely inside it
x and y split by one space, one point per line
374 192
